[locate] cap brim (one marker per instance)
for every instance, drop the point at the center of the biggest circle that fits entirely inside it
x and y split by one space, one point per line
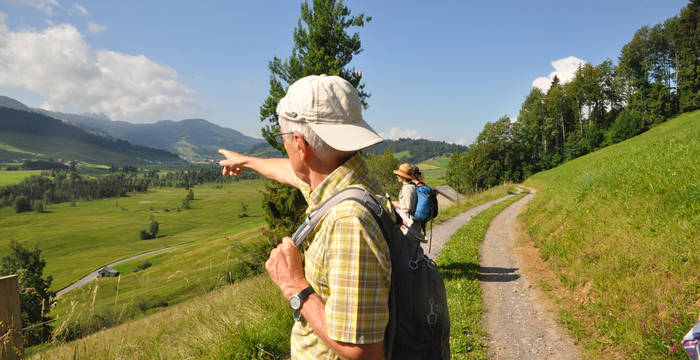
347 137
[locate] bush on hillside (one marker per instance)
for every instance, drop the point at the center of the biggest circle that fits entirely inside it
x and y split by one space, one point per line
21 204
628 124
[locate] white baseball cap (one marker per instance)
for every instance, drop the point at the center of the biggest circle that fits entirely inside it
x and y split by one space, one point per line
332 108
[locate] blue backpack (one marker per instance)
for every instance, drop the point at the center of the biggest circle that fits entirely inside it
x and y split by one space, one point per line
426 204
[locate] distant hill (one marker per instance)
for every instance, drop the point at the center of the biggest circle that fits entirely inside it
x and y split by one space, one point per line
416 150
12 103
192 139
28 134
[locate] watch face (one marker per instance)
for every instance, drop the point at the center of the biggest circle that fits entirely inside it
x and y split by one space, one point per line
295 302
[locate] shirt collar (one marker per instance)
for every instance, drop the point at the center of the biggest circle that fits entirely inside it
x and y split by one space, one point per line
342 177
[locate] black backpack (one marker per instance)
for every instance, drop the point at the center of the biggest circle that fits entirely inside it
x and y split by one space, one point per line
419 321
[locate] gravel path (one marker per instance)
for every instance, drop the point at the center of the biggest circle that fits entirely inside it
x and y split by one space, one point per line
93 275
519 326
443 232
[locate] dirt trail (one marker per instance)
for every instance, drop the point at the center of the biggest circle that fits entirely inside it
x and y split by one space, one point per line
519 321
442 233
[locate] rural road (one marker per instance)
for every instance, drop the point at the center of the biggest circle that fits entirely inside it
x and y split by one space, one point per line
519 324
93 275
442 233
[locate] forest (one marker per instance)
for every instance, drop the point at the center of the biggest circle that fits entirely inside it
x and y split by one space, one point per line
657 77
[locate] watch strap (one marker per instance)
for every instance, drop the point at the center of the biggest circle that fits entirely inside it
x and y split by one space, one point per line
302 295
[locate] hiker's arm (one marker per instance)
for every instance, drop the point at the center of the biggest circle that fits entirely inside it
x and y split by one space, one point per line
286 270
278 169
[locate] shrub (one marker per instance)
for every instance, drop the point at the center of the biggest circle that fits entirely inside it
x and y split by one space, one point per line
143 266
22 204
144 235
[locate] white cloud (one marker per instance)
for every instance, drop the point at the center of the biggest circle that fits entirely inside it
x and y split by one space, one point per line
461 141
46 6
398 133
96 28
78 9
564 68
59 64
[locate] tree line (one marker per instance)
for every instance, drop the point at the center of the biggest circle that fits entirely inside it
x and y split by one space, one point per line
656 78
58 186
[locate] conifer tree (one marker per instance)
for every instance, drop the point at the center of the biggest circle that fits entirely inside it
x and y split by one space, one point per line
322 45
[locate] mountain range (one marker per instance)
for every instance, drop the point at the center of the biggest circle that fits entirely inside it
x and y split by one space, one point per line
198 139
32 135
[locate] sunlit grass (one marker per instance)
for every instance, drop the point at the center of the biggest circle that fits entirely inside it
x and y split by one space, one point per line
621 227
8 177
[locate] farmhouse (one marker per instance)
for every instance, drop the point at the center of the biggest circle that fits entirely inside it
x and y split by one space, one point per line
107 271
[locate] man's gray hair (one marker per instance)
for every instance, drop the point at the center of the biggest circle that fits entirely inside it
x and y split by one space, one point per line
322 150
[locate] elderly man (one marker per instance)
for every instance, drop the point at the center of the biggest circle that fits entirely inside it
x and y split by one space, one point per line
340 294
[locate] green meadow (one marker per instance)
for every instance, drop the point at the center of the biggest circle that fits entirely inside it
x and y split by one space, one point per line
76 240
434 169
248 319
9 177
621 228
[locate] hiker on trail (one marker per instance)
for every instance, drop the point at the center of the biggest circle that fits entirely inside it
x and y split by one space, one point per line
339 293
426 204
407 196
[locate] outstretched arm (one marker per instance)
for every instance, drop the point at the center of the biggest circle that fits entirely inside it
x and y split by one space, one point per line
272 168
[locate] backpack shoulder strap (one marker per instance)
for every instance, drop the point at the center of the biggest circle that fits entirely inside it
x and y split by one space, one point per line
352 193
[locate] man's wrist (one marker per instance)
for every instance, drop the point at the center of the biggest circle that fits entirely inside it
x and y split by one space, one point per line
291 290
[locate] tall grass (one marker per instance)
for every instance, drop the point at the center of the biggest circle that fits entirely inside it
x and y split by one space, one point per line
621 228
247 320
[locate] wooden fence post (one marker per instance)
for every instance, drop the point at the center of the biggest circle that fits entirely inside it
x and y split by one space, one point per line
11 341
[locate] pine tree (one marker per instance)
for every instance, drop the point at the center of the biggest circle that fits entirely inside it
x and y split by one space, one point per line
322 45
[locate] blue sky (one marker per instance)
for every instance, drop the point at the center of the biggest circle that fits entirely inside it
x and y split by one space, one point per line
438 70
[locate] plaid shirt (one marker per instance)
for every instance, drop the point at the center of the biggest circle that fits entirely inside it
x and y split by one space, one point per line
348 264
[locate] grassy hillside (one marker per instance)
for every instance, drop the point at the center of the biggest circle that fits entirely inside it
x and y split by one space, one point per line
246 320
621 228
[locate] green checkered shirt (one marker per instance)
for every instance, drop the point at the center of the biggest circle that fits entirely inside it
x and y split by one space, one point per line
348 264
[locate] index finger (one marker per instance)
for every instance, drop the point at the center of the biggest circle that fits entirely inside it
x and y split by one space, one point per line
225 152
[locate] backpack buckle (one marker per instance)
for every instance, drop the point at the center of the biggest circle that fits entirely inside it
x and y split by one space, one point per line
432 316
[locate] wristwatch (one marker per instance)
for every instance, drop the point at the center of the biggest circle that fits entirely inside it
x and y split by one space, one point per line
296 300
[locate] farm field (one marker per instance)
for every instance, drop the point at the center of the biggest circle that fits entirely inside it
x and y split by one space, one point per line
76 240
9 177
434 170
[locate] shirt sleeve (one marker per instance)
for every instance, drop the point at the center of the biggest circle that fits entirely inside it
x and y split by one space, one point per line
359 276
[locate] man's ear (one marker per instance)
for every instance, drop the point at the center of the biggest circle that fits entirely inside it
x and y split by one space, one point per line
301 146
